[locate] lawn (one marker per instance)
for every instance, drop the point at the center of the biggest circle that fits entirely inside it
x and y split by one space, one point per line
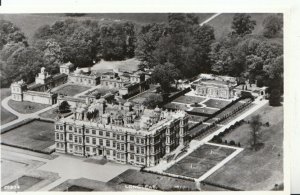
204 110
189 99
71 90
213 103
26 107
52 113
164 183
196 118
6 116
101 91
23 183
174 106
141 97
200 161
256 170
37 135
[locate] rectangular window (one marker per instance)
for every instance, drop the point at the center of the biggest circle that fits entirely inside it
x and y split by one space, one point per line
142 141
122 138
79 130
101 133
118 137
137 159
131 156
108 152
70 137
57 135
101 142
80 140
137 150
57 145
122 147
87 149
70 128
107 134
94 150
94 132
142 159
131 147
75 139
56 126
114 135
114 144
61 128
131 138
114 153
108 143
61 136
87 131
87 140
94 141
142 150
118 146
137 140
75 130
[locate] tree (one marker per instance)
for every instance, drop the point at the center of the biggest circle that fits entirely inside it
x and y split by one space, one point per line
242 24
64 107
165 75
153 100
272 25
10 34
275 97
255 124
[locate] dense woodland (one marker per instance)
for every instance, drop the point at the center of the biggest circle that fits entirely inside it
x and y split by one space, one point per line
176 49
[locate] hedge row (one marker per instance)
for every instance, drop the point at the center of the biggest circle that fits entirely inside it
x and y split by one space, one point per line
168 175
221 186
30 149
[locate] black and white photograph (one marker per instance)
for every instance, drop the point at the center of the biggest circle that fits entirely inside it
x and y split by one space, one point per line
168 101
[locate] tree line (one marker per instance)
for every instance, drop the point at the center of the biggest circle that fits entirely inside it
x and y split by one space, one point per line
178 48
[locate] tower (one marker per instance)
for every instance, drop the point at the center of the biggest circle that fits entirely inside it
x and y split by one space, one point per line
17 89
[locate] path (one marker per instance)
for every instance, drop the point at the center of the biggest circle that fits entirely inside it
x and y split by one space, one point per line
194 144
210 18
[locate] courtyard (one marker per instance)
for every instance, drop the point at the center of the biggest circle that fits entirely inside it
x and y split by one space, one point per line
26 107
70 89
200 161
35 135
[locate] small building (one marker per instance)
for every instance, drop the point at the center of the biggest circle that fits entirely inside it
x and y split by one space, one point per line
84 78
215 86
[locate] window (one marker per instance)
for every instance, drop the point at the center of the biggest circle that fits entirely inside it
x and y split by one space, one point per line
57 136
108 152
137 140
87 131
75 139
118 137
61 128
57 145
131 156
142 141
61 136
118 146
142 150
131 138
94 141
75 130
70 128
87 140
138 159
70 137
122 138
137 150
94 150
131 147
56 126
94 132
114 135
122 147
80 140
87 149
79 130
101 133
114 144
108 143
114 153
142 159
107 134
101 142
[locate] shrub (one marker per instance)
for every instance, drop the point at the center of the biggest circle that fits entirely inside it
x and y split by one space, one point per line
239 144
232 143
225 141
267 124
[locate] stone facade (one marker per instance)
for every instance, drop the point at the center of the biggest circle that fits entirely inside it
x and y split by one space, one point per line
215 86
121 133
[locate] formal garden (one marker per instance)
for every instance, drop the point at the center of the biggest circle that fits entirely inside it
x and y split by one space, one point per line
200 161
35 135
189 99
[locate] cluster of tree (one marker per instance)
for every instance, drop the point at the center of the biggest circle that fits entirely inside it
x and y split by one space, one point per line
252 57
181 42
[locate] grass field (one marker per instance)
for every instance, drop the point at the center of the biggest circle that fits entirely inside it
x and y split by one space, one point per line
189 99
256 170
37 135
29 23
24 183
196 118
71 90
213 103
52 113
200 161
222 24
164 183
26 107
5 115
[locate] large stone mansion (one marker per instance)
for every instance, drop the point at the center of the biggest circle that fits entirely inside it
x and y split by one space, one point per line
123 133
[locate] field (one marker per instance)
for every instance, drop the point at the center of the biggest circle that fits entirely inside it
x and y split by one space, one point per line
5 115
222 24
29 23
26 107
216 103
164 183
71 90
37 135
196 118
23 182
189 99
200 161
256 170
52 113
